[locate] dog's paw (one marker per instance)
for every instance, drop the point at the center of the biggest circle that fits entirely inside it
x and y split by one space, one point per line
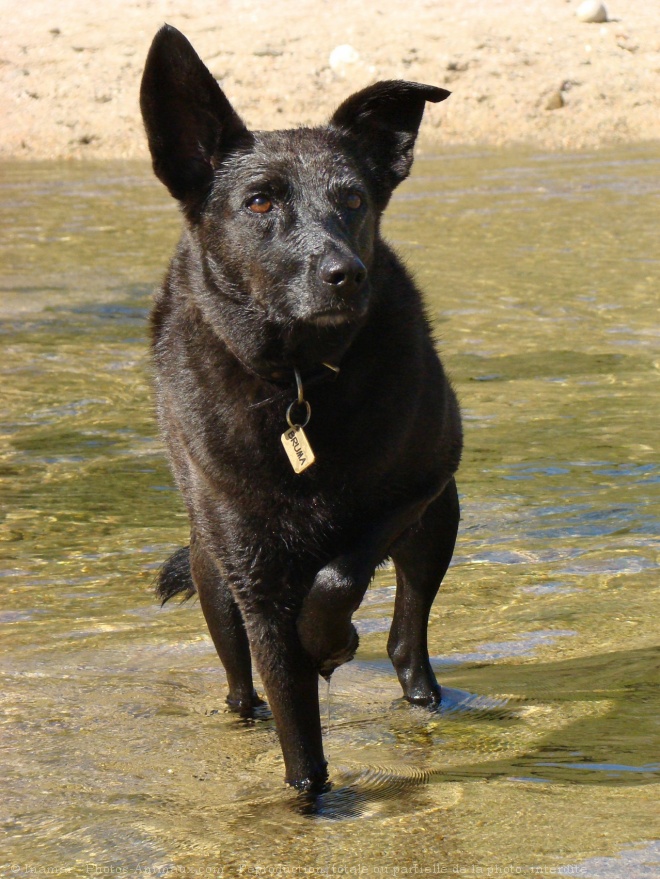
430 700
324 625
327 646
340 654
253 707
423 691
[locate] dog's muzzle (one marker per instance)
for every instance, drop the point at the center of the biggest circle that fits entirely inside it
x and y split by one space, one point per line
340 290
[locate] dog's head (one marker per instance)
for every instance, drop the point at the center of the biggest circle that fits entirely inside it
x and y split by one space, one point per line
282 224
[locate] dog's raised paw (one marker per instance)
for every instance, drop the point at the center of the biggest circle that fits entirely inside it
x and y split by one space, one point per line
327 646
334 660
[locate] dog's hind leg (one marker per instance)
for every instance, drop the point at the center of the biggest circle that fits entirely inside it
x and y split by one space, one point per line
421 558
227 629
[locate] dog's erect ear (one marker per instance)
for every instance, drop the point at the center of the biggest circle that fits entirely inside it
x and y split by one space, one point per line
384 119
188 120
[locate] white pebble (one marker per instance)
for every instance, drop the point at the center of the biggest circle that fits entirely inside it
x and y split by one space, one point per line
342 56
591 11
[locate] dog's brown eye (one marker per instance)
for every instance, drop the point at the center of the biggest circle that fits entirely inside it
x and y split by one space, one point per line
260 204
354 201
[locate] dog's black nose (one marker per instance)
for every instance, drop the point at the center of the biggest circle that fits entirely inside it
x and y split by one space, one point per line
343 273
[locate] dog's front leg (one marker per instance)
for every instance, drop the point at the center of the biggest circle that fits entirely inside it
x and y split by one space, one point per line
324 624
291 684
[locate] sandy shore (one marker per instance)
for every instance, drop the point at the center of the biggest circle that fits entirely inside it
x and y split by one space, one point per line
520 72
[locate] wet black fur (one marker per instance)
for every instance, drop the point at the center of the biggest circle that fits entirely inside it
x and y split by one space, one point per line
281 266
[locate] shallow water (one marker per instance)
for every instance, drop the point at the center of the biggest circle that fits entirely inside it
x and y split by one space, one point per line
118 754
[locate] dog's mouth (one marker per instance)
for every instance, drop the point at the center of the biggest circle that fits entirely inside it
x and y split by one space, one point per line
332 317
320 339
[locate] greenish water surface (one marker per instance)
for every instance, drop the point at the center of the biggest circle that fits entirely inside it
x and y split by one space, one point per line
118 757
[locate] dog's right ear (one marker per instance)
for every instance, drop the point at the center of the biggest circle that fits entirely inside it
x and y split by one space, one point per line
189 122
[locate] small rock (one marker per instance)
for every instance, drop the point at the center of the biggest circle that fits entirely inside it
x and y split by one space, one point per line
555 101
592 11
342 57
268 51
623 41
458 66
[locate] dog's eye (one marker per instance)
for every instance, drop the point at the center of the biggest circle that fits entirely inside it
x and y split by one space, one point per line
260 204
353 200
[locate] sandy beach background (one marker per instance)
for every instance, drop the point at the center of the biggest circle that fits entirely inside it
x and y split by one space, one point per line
528 72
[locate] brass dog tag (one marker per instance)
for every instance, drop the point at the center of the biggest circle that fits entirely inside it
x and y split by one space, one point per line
298 448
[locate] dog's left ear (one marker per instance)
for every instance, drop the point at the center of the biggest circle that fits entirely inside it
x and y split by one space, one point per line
383 119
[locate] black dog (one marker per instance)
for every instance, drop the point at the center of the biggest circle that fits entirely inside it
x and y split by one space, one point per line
283 309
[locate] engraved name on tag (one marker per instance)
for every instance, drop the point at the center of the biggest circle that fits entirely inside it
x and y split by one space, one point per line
298 449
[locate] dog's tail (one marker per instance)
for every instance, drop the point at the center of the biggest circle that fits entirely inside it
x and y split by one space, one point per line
175 577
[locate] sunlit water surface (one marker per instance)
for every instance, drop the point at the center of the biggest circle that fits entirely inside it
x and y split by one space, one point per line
118 755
